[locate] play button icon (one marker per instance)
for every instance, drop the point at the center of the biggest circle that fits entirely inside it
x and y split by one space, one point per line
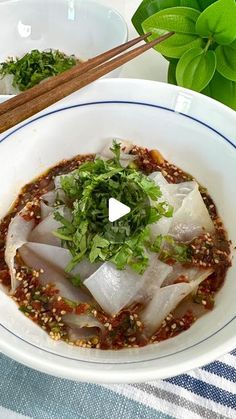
116 210
127 211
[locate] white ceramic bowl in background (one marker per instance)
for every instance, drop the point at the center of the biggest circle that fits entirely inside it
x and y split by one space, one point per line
84 28
191 130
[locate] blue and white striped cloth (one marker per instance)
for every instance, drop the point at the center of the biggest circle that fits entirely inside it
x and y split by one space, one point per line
208 392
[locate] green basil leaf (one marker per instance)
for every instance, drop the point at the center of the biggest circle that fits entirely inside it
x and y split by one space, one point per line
203 4
176 45
218 21
177 19
195 69
222 89
194 4
150 7
142 13
226 60
172 72
165 4
170 59
167 20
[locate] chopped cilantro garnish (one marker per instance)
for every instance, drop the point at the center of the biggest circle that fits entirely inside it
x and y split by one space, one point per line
76 280
116 151
36 66
70 303
24 309
156 245
170 249
89 234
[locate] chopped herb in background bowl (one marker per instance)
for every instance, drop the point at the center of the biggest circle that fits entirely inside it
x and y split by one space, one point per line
35 66
202 52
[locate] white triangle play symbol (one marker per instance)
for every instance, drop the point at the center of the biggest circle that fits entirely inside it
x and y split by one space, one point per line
117 210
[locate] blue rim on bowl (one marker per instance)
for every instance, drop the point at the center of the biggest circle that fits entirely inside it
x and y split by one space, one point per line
159 98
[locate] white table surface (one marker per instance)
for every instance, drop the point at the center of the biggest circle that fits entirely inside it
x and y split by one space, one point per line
150 65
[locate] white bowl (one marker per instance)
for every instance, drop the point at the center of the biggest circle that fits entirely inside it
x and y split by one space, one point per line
191 130
84 28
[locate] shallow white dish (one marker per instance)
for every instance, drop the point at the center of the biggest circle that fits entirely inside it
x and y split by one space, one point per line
84 28
191 130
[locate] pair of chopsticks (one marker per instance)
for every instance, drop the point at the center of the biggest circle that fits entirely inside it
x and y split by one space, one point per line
39 97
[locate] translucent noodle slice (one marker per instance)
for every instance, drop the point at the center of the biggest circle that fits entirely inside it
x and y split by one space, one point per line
82 326
51 275
166 299
18 233
114 289
58 257
192 218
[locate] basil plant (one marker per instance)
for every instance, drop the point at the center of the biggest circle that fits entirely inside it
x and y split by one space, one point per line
202 51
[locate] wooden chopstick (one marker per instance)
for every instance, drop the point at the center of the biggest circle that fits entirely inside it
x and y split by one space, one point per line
35 102
75 71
